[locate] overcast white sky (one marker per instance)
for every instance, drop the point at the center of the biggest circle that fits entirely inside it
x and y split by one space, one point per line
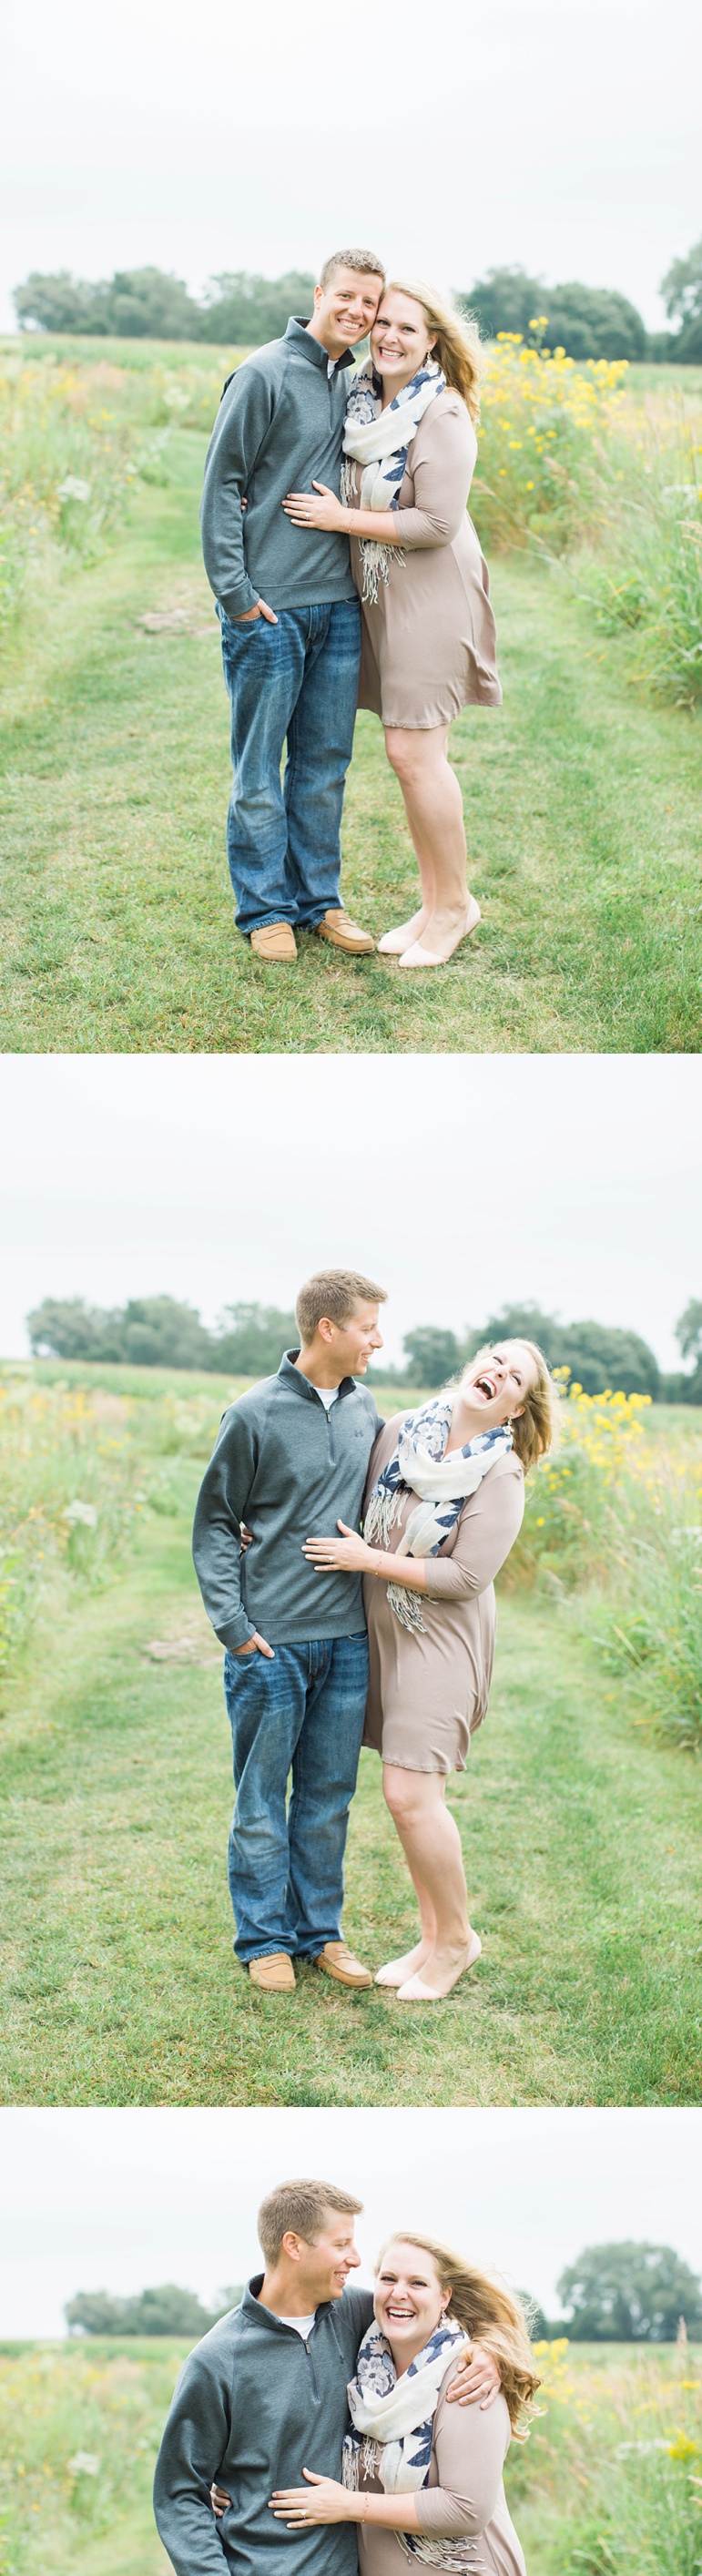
460 1183
553 132
120 2200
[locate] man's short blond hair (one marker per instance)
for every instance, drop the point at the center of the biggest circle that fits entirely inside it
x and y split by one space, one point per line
300 2208
334 1293
363 263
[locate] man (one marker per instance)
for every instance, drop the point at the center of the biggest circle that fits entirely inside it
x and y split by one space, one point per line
291 1460
264 2395
290 617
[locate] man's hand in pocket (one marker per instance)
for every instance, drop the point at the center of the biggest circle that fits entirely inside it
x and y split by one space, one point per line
261 610
255 1645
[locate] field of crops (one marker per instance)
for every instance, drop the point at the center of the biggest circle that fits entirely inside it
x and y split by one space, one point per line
609 2483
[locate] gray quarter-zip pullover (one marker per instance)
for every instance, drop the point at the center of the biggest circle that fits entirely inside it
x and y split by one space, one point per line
290 1469
253 2406
279 428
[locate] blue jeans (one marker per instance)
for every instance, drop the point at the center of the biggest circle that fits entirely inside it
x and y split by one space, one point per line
298 680
304 1712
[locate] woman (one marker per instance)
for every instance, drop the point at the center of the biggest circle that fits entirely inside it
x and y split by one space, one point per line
419 2475
444 1505
428 629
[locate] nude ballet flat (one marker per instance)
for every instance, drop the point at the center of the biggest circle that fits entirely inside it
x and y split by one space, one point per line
415 1992
394 942
398 1971
417 955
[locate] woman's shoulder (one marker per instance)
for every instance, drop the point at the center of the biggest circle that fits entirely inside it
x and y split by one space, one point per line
506 1469
462 2417
448 406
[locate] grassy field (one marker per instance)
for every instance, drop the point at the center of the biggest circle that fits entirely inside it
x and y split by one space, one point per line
583 2504
581 1834
581 801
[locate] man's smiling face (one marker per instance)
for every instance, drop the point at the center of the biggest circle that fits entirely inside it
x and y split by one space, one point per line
345 309
325 2263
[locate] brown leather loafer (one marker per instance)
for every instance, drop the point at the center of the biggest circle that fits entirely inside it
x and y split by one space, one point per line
275 942
345 934
274 1972
337 1961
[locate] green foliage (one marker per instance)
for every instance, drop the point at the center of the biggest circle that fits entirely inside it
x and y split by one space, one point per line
166 2311
145 303
688 1331
149 1332
593 322
158 1332
250 1340
137 303
596 1355
242 307
433 1354
586 321
505 299
681 289
630 2293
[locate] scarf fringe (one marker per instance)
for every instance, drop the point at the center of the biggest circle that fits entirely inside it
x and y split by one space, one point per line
380 1515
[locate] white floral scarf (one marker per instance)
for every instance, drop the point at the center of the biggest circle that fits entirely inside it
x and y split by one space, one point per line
442 1484
378 441
392 2424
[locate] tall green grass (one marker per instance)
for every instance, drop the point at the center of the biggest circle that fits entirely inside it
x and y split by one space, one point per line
610 2482
81 2426
69 1496
618 1515
79 426
648 581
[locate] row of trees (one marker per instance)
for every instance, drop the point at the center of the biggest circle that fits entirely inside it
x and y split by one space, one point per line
145 303
157 1332
613 2294
240 309
166 2311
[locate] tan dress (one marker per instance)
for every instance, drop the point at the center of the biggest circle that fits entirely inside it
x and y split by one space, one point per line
428 1688
429 640
464 2500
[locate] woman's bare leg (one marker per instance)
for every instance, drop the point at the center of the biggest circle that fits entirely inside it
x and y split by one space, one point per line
434 809
397 1970
432 1846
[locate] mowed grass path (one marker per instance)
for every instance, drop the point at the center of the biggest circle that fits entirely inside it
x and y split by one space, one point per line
583 817
583 1854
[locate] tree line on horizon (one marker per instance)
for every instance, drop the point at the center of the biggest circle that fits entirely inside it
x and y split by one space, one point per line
248 1341
619 2293
239 308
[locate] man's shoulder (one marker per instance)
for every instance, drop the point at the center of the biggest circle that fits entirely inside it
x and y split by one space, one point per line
265 363
250 1406
367 1399
214 2351
355 2311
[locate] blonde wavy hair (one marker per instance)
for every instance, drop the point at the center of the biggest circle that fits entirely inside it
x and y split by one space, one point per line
457 338
538 1428
489 2315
